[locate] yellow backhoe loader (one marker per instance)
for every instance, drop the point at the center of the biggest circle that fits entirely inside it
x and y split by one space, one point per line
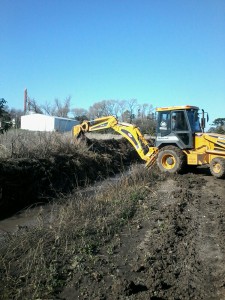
180 139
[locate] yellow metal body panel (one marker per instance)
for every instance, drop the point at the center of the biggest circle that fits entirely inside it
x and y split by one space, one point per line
129 131
207 147
176 108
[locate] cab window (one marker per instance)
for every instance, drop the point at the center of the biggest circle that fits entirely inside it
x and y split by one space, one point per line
194 120
178 121
164 121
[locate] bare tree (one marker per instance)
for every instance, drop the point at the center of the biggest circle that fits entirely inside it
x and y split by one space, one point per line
62 109
97 110
121 107
142 110
33 106
150 111
48 109
107 108
111 107
79 113
126 110
132 106
126 116
59 108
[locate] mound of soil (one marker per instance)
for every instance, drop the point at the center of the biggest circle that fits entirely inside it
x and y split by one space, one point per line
26 181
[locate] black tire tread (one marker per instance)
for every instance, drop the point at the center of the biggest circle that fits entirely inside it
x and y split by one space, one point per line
181 159
222 162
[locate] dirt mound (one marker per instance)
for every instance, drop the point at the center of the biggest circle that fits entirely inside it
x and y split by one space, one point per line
25 181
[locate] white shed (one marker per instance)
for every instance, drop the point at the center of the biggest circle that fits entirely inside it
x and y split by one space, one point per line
39 122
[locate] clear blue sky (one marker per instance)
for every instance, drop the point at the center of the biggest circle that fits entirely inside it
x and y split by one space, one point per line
164 52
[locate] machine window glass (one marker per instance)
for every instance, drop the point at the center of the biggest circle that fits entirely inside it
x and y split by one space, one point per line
178 121
193 118
164 121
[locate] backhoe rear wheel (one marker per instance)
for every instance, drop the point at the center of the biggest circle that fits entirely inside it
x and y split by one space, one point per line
171 159
217 167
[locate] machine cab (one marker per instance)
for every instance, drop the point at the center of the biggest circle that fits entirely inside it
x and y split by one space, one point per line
177 125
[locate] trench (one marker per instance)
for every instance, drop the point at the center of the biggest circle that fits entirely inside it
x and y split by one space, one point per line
30 216
30 186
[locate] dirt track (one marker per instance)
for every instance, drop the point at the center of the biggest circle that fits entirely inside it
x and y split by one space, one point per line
174 247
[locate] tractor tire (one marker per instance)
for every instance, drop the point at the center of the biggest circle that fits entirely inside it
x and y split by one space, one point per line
217 167
171 159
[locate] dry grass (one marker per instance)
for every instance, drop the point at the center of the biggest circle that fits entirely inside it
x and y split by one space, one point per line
21 143
17 143
37 261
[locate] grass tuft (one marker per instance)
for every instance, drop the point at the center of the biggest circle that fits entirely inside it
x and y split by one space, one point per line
27 144
36 262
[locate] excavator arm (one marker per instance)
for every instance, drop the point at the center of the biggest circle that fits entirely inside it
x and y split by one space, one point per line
129 131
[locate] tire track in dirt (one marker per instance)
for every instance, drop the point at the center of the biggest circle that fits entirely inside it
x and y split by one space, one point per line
192 259
212 236
173 248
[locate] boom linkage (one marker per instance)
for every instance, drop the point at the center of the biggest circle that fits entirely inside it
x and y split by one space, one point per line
129 131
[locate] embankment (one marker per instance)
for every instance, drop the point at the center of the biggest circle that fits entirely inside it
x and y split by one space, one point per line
26 181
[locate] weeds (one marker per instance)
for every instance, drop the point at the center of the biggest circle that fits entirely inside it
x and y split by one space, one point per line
37 261
26 144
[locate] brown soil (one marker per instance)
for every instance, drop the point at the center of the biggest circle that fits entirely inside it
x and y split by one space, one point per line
27 181
174 247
